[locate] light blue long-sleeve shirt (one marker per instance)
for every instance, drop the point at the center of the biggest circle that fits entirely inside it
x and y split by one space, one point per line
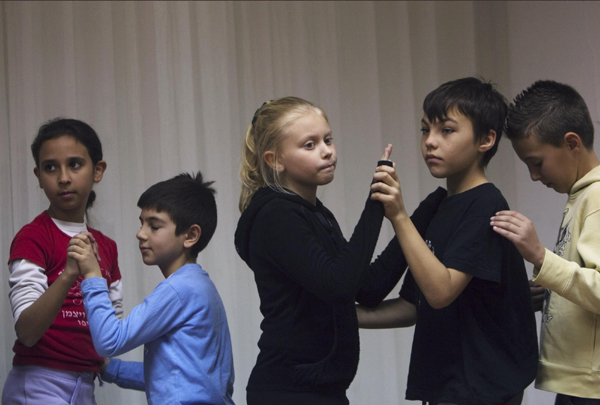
183 327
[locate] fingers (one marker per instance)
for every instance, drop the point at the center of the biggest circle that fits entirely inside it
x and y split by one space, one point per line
92 240
387 152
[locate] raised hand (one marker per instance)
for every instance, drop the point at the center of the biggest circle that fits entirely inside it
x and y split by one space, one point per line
518 229
386 188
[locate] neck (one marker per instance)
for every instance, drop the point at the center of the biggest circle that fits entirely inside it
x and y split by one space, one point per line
308 193
466 180
589 162
176 264
67 216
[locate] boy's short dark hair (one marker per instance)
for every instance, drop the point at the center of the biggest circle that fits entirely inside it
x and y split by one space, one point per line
188 201
475 99
549 110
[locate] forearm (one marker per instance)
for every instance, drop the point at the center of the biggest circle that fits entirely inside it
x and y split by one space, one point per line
126 374
37 318
438 284
391 264
580 285
394 313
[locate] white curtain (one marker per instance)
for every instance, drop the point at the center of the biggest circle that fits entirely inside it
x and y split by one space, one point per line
172 87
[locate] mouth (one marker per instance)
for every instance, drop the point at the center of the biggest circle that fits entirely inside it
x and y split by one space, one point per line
66 195
329 166
144 249
432 159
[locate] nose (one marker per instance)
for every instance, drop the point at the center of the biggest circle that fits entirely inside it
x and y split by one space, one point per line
534 174
327 151
64 177
430 141
141 235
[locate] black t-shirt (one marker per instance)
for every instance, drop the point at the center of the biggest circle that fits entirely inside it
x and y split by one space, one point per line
482 348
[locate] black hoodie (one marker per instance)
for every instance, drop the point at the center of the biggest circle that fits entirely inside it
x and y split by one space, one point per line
309 278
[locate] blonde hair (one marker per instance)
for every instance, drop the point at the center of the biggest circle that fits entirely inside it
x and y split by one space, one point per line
264 134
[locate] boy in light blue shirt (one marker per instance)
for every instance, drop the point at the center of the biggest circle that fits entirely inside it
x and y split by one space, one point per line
182 323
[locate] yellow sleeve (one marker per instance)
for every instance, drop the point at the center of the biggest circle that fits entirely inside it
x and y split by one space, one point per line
578 284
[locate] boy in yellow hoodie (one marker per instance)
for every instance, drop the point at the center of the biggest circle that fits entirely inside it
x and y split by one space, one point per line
551 131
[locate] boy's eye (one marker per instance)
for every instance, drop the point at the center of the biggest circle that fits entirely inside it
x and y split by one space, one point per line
154 228
329 141
75 165
309 145
49 167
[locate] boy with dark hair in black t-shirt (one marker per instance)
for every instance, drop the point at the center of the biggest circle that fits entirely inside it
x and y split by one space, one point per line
467 290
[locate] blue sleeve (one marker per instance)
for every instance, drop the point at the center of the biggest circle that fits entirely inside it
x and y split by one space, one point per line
158 314
126 374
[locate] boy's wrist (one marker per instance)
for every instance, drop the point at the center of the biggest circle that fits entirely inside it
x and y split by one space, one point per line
93 273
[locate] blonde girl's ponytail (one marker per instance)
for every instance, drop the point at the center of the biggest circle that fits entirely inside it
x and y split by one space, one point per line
249 171
265 134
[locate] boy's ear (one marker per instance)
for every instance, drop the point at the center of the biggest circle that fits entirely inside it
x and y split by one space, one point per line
271 159
573 141
487 141
192 236
99 170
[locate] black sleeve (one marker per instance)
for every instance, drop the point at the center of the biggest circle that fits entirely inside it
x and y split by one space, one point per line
385 272
291 245
475 248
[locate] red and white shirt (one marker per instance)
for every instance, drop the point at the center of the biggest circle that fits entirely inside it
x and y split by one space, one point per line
38 256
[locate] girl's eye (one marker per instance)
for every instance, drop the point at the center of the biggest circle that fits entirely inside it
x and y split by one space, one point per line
154 228
447 130
328 141
424 131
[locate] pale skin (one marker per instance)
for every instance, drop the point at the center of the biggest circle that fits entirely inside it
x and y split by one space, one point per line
558 167
440 285
37 318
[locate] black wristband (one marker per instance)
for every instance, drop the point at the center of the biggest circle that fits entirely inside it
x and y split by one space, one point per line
385 163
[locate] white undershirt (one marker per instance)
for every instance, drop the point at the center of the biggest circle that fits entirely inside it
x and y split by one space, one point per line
28 281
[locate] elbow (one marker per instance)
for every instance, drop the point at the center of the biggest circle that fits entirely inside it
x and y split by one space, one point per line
439 301
26 339
104 350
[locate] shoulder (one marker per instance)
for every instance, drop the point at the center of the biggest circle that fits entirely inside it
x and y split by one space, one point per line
40 225
591 198
282 212
192 285
36 232
486 200
35 242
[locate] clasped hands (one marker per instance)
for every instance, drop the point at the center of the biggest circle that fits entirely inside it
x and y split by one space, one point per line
82 256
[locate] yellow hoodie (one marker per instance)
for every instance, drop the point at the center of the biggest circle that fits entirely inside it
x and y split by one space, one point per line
570 333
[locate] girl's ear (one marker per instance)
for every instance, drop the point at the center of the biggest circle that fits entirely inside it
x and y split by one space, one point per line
487 142
192 236
36 171
271 159
573 141
99 170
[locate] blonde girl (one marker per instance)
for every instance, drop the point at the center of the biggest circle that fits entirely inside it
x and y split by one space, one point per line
308 276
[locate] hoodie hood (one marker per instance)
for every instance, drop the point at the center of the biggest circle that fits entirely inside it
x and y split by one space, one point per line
262 197
592 176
